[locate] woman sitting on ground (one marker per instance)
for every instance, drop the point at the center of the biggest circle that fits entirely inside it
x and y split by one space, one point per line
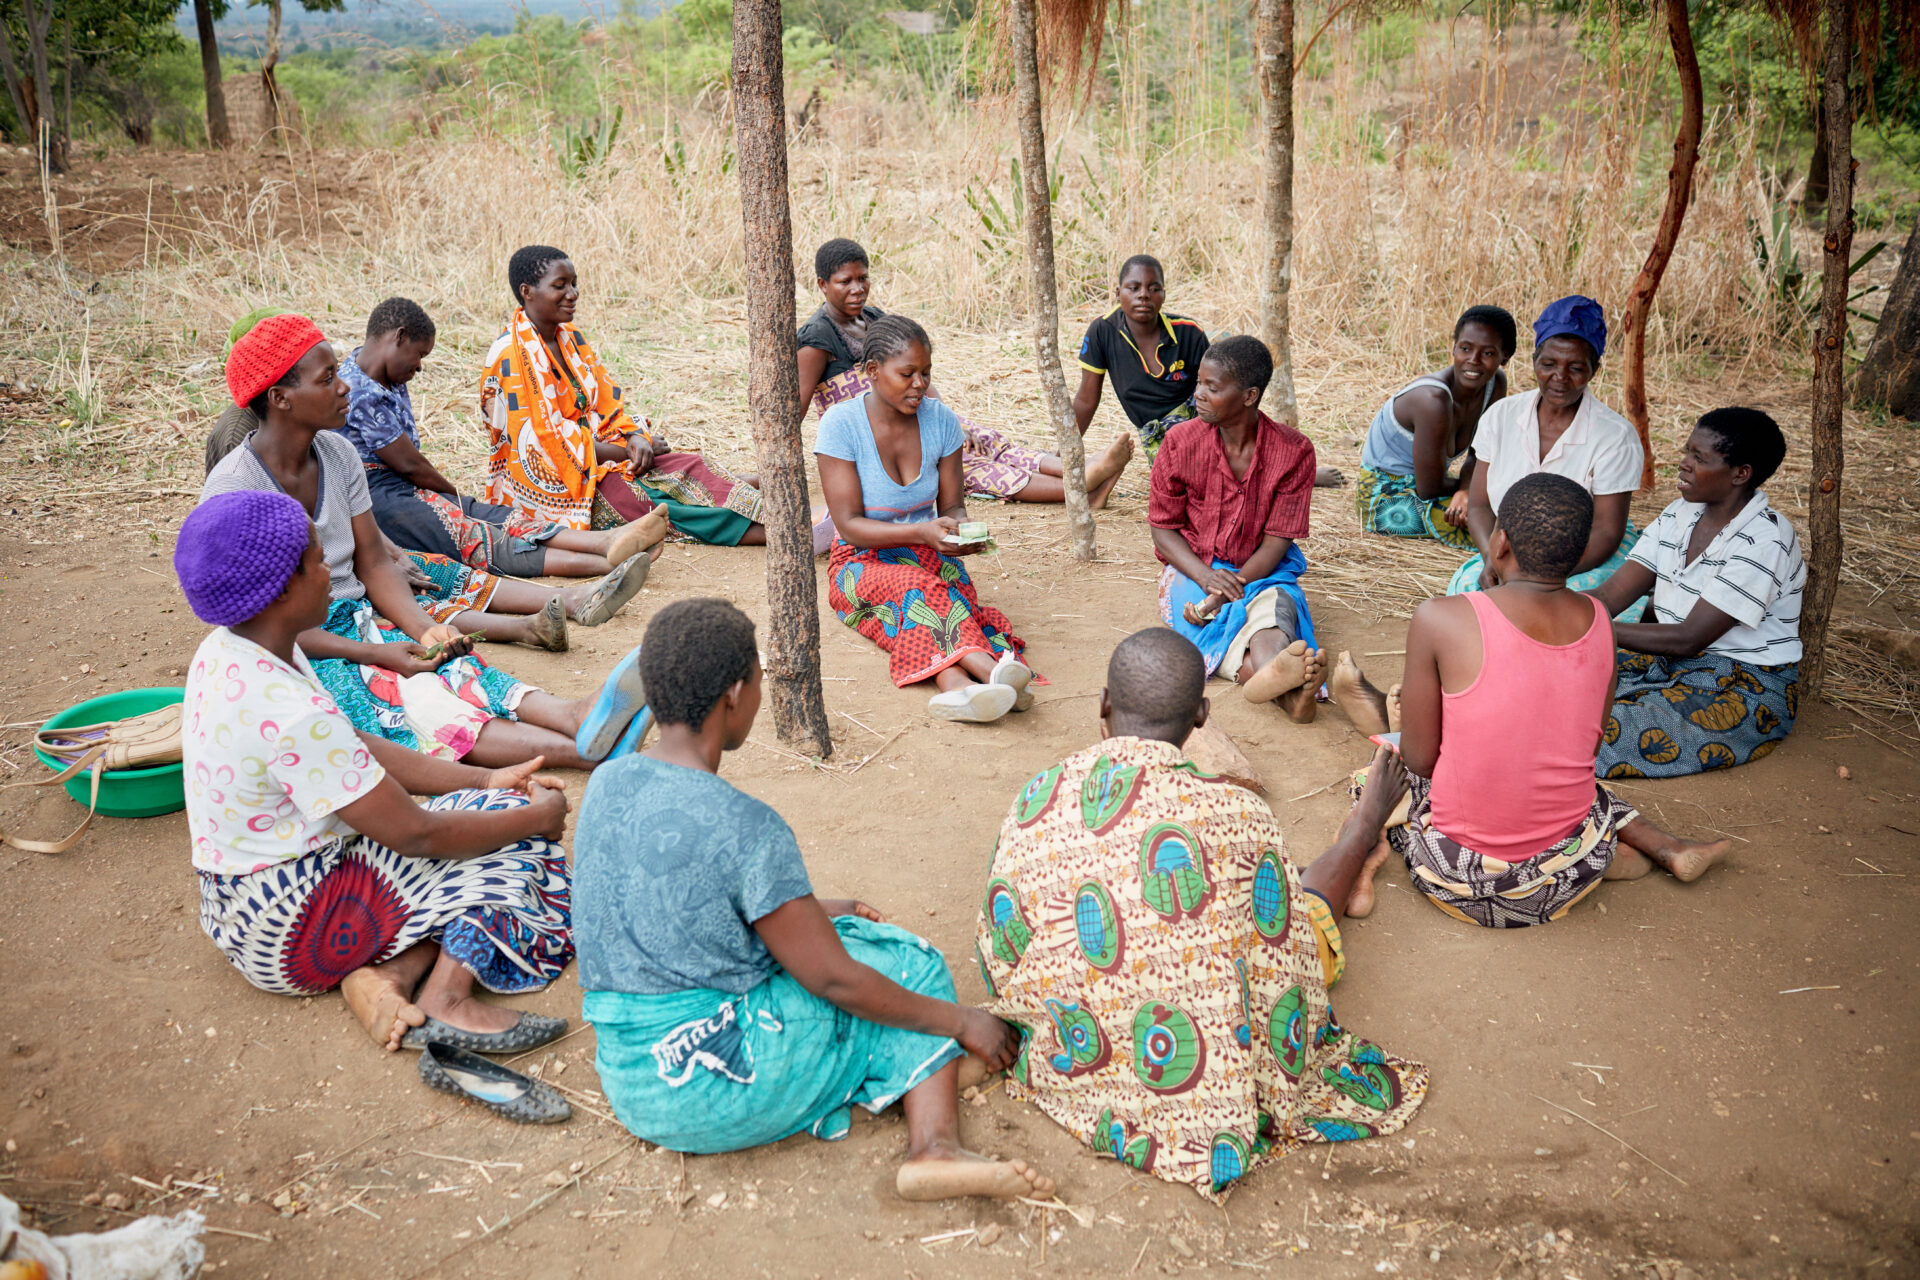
1562 428
1499 720
732 1007
831 371
890 468
471 601
419 509
1714 680
317 869
1425 427
376 643
566 450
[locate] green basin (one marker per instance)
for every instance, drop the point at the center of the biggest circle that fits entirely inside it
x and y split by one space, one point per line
124 793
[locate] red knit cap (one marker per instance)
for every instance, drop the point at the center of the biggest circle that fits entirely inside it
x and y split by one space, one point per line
265 352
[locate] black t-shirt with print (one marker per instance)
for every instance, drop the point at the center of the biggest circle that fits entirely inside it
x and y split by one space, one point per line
1108 348
820 331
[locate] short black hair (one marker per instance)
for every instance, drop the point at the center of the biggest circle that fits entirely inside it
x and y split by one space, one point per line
1498 319
291 378
1155 681
404 314
835 254
1748 438
693 652
891 334
1244 358
1547 518
528 264
1143 260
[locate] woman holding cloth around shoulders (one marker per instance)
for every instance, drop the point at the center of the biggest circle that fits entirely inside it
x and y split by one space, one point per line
890 468
1562 428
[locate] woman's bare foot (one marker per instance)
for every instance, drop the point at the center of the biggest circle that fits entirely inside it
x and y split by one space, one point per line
1304 703
1393 709
973 1072
1360 902
638 535
1365 705
1284 671
1688 860
1105 470
379 998
947 1173
1627 864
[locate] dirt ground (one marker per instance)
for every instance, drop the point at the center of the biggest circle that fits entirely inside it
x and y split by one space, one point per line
1709 1080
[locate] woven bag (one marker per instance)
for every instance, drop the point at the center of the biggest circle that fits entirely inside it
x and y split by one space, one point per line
134 743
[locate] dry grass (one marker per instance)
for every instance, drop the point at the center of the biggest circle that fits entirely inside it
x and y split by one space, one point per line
1488 166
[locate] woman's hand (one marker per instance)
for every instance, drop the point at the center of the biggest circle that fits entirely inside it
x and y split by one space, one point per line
639 453
987 1037
521 777
1224 583
851 907
454 644
1457 508
1202 613
404 658
549 805
933 533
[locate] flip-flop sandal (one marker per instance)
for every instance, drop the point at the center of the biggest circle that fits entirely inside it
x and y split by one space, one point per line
618 702
532 1031
505 1092
617 586
636 730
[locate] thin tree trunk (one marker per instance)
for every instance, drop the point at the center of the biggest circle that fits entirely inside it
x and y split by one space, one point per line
773 378
66 91
1275 21
1830 357
275 117
1037 211
219 132
16 91
1686 150
1889 372
47 130
1815 190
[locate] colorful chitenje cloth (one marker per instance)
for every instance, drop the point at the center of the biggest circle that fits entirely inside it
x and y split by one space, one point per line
991 465
1226 634
480 535
438 713
1391 504
707 1071
1145 928
543 418
1507 895
1153 432
299 927
919 606
1676 716
1467 577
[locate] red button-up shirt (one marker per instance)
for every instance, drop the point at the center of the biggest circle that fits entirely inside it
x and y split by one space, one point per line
1195 495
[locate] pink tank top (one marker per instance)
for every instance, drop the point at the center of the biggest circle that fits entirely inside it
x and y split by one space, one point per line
1517 746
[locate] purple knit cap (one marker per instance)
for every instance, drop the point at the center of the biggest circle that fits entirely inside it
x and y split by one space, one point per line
237 552
1574 316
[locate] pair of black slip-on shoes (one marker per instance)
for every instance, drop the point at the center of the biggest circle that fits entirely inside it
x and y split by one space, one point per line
450 1062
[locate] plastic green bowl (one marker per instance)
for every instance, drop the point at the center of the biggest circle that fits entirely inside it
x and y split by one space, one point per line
124 793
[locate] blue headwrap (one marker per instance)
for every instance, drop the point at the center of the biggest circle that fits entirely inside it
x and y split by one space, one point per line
1574 316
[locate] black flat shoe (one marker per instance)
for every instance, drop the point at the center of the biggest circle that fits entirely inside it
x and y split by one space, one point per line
519 1098
532 1031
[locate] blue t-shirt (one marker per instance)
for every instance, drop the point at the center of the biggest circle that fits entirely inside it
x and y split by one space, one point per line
846 434
671 867
376 415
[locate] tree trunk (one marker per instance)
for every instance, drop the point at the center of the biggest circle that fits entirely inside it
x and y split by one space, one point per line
66 91
1686 150
1815 192
276 118
773 379
1275 20
1889 373
1830 357
47 135
1037 210
17 91
219 132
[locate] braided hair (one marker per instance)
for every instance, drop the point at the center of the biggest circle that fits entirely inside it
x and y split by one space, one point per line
891 335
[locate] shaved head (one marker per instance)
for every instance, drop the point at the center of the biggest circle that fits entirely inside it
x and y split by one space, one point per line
1156 682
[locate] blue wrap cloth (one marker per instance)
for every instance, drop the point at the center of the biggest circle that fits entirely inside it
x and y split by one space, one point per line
1214 639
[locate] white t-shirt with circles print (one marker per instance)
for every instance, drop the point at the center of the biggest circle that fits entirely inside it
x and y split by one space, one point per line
269 759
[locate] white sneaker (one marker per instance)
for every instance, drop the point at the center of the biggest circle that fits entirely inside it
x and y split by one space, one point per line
1015 674
974 703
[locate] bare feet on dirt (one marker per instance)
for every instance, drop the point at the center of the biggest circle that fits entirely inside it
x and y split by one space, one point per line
1303 703
1284 671
1627 864
1365 705
638 535
949 1173
1393 709
1104 470
973 1071
380 1001
1688 860
1360 902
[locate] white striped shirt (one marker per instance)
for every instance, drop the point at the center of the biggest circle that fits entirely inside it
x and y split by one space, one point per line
1751 571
